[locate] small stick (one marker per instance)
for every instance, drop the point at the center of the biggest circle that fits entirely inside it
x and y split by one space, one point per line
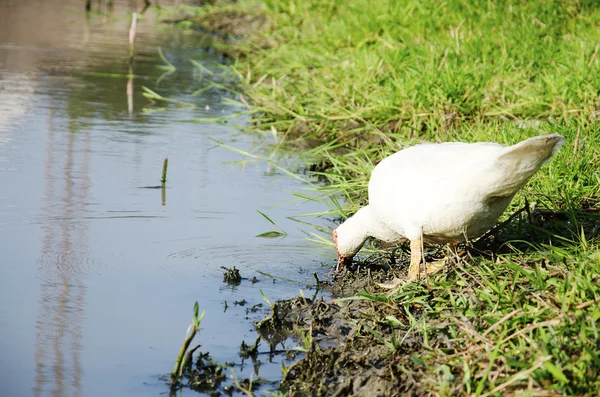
132 32
130 91
164 171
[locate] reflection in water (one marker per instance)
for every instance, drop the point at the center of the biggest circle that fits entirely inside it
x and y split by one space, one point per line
130 92
63 259
64 256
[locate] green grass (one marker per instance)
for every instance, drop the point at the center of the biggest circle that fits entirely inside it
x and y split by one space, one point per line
523 323
355 81
347 71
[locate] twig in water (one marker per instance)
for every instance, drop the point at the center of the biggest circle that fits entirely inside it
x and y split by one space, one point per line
130 91
163 180
132 32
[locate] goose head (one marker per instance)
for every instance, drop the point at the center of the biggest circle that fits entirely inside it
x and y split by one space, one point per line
350 236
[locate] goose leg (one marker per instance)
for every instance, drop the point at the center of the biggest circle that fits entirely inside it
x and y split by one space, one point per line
418 267
416 257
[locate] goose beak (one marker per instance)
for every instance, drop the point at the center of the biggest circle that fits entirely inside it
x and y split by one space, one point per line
343 262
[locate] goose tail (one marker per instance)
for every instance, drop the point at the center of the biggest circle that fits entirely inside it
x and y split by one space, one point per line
535 151
517 164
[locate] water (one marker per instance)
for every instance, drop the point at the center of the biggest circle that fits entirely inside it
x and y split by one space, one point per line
98 276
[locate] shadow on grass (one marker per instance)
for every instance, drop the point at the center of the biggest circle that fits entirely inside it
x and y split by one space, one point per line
526 230
529 230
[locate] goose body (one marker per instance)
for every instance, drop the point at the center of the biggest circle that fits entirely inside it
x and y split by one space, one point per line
442 193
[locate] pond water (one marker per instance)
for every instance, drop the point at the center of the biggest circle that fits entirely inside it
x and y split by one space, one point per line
99 276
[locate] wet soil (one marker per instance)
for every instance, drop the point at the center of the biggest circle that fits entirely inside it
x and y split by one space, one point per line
336 347
332 347
342 339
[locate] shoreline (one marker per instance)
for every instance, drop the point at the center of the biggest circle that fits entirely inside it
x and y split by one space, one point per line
350 84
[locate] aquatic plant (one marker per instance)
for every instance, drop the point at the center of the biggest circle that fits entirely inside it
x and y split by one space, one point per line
155 97
167 67
271 233
132 33
189 336
163 180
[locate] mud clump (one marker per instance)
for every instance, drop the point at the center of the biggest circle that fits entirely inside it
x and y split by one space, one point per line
231 276
203 375
207 375
342 343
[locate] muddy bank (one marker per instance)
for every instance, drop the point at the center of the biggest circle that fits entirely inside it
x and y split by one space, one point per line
332 347
352 346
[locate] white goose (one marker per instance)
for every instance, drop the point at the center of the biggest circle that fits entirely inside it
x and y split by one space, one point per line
441 193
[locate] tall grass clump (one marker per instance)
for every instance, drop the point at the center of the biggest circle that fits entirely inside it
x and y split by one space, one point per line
331 70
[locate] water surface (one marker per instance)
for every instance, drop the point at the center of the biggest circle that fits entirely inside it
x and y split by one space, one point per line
99 276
